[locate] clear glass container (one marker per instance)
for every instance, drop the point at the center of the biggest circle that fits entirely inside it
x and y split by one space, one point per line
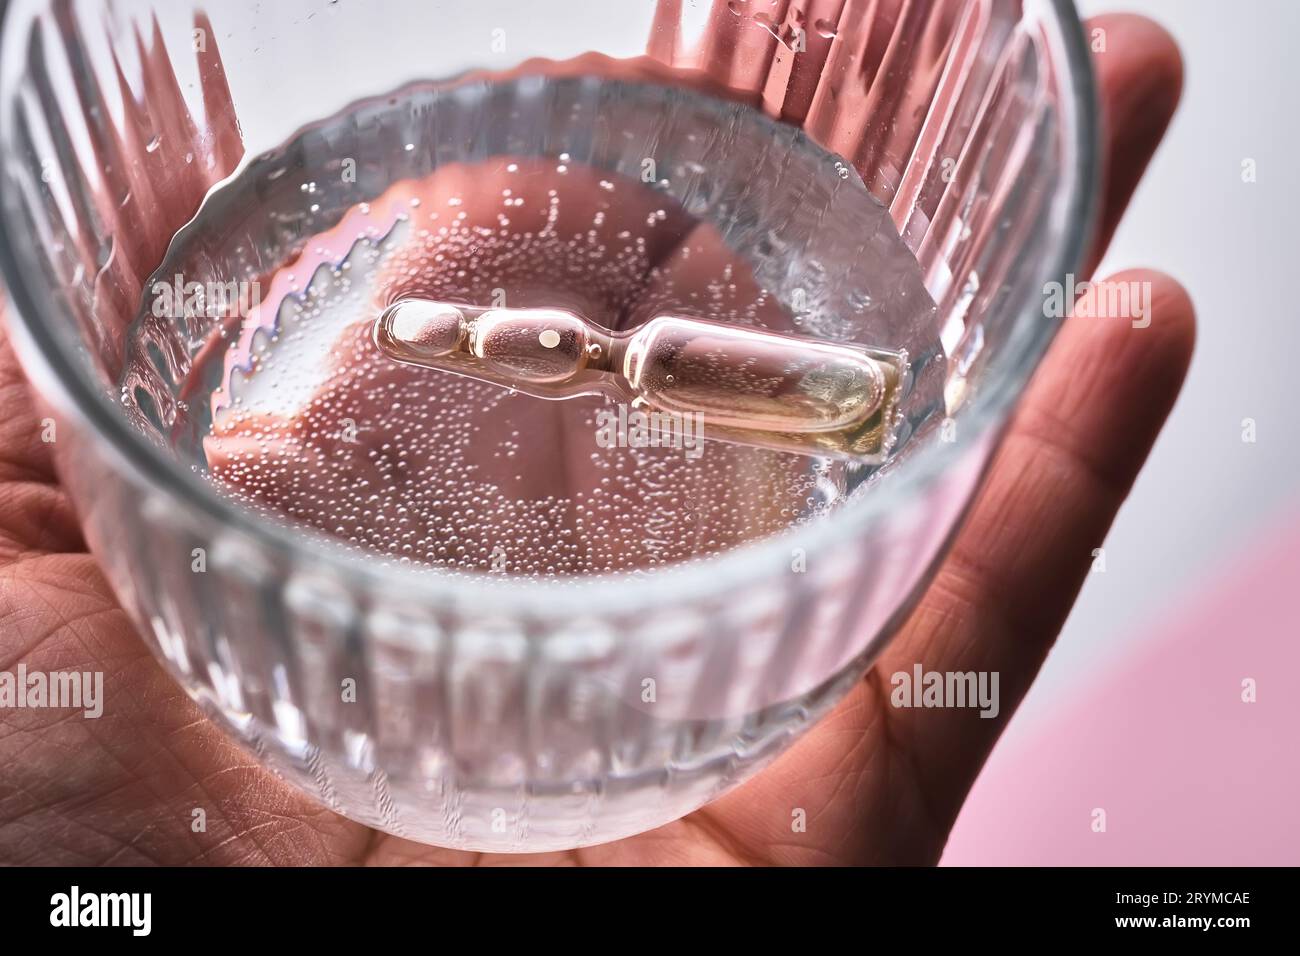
503 713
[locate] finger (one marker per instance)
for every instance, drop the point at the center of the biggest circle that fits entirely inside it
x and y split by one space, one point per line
1016 567
884 784
23 456
1139 82
35 514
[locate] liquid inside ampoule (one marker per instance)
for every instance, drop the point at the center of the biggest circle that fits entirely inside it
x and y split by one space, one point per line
748 385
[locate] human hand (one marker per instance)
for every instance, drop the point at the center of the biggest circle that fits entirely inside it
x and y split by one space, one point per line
879 785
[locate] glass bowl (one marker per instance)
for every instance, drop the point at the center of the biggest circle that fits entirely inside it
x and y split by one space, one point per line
522 714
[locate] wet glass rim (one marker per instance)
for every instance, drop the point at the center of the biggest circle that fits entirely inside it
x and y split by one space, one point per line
61 383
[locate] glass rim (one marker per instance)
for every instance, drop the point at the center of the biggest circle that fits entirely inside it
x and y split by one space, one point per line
63 383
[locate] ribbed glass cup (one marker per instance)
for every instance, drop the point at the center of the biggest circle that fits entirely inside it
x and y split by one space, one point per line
531 714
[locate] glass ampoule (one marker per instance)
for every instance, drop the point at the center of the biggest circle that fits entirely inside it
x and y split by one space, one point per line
752 386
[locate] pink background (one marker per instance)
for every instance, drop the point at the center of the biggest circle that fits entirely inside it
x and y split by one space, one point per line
1186 771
